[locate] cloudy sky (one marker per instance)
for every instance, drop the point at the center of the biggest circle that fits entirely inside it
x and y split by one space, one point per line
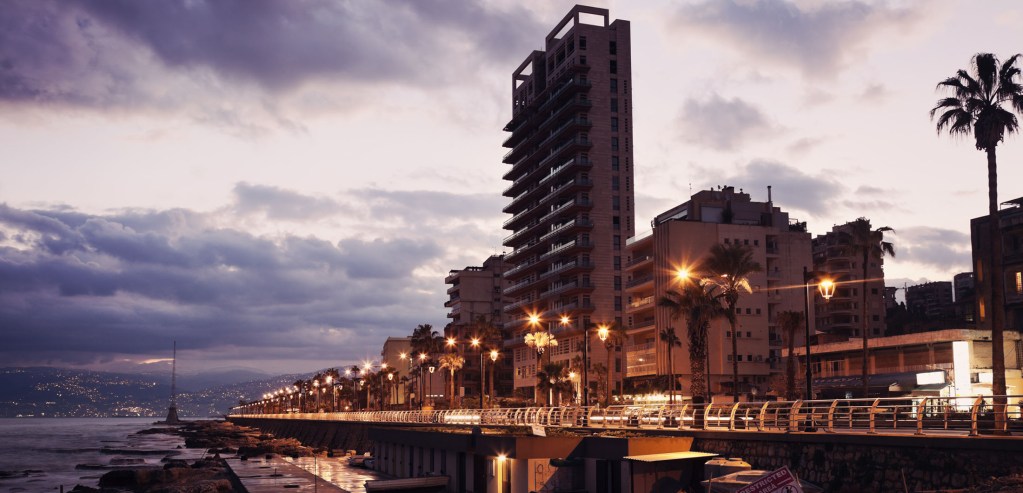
281 185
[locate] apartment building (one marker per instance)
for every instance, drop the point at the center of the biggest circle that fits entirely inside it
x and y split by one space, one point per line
477 292
931 300
965 297
680 238
1010 220
570 169
840 316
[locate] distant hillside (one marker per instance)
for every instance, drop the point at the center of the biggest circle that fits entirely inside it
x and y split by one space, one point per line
55 392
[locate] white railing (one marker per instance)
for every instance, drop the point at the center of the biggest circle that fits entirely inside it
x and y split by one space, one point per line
903 415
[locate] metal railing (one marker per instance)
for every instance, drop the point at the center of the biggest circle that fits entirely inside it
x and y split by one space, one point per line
969 416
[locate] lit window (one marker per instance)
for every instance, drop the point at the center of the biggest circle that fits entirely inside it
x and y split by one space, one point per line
1019 283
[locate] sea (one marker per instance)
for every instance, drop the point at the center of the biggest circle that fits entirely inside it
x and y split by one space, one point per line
55 454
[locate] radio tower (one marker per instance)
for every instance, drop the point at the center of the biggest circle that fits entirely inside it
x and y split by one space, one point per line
172 411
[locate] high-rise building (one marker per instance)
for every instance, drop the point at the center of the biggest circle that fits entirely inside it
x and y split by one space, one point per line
965 297
571 179
931 300
841 315
476 295
680 239
1010 221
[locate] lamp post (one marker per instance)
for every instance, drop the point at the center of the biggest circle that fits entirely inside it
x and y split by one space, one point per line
540 341
493 361
390 383
475 342
404 386
603 332
422 384
827 290
316 389
432 369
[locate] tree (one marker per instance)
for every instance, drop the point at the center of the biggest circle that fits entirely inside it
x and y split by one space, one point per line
334 376
668 336
452 362
540 341
730 265
491 337
789 321
868 244
616 336
976 106
553 378
698 303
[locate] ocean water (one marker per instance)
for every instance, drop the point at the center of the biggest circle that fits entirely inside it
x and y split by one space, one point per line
41 454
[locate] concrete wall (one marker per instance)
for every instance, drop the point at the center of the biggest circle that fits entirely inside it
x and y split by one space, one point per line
854 463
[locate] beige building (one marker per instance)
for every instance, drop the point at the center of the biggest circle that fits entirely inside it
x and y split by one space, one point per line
947 363
840 316
474 292
570 186
679 239
390 355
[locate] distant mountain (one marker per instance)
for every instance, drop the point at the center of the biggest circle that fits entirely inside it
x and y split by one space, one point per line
55 392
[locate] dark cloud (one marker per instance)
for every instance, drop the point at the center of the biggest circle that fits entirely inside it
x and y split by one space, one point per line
792 189
278 203
818 40
122 53
722 124
77 288
945 249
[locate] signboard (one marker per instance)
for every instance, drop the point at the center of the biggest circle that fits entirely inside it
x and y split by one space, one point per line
778 481
538 430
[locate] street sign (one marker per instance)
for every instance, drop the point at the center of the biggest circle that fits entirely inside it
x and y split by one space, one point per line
777 481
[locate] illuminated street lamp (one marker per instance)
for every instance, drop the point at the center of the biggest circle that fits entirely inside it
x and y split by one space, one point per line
475 342
826 287
541 340
432 369
422 383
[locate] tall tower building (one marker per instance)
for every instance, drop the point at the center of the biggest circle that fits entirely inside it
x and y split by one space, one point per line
680 240
571 176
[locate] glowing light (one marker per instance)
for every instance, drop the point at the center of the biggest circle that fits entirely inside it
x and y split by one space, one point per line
565 320
826 288
451 342
602 332
493 354
475 342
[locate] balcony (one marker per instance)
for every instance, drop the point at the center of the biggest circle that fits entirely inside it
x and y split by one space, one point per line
518 304
558 151
571 163
640 281
643 324
640 359
521 267
517 286
639 303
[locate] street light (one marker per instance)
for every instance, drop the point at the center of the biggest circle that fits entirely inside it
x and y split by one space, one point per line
493 361
826 287
432 369
422 384
540 341
475 342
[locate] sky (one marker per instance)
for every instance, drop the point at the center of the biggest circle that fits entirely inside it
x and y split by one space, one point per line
282 185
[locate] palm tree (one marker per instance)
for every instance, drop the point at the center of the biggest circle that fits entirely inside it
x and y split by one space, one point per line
789 321
668 336
453 362
977 107
541 341
335 378
730 265
490 336
869 245
553 378
616 336
698 302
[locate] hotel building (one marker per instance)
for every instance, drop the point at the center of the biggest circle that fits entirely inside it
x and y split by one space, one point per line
680 238
570 174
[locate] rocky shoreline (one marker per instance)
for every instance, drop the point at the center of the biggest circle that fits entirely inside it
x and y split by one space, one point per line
209 474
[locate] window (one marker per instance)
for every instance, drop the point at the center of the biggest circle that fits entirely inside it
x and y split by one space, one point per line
618 241
618 302
616 222
614 183
618 262
758 311
614 66
748 311
1019 283
876 318
618 282
616 203
582 60
749 334
738 357
582 42
614 124
614 86
756 242
613 48
614 163
873 290
614 105
614 143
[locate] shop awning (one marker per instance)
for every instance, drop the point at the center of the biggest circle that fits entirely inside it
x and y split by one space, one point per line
670 456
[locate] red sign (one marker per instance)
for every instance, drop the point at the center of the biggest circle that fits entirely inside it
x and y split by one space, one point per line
779 481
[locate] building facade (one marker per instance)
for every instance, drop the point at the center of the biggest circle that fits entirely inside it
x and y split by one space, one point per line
931 300
965 297
1011 223
680 238
475 296
840 316
947 363
570 183
391 355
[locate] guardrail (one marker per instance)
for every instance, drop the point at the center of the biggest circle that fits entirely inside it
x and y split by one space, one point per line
907 415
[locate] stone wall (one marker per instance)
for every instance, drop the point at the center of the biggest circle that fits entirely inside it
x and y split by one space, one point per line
330 435
850 463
